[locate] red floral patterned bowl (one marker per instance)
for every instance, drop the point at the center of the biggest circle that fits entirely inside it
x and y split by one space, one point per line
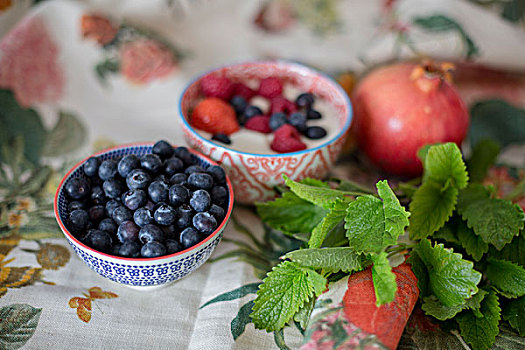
254 175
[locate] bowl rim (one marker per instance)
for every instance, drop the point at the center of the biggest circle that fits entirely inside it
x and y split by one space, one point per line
205 241
283 62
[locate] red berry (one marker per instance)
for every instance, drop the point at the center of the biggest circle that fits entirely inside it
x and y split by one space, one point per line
259 123
214 85
240 89
281 104
215 116
270 87
287 139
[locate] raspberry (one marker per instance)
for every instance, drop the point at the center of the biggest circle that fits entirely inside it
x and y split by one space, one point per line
215 116
287 139
259 123
279 104
214 85
240 89
270 87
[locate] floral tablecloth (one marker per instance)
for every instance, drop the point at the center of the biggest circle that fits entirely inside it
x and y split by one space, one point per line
79 76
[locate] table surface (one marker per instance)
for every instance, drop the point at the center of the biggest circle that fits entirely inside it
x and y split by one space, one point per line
87 94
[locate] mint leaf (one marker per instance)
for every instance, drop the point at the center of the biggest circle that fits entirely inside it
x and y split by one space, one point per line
336 214
513 251
372 224
447 233
514 313
483 157
430 208
506 276
420 270
444 163
450 278
329 259
314 182
283 292
497 221
481 332
321 196
474 245
290 214
433 307
385 286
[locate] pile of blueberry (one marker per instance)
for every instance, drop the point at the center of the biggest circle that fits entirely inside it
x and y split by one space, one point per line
147 206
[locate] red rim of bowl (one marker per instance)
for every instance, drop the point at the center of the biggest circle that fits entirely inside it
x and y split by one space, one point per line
74 239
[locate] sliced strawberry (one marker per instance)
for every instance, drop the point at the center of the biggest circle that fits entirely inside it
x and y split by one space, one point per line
270 87
215 116
214 85
260 123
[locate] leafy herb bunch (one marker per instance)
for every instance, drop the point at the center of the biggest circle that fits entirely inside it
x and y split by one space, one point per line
465 246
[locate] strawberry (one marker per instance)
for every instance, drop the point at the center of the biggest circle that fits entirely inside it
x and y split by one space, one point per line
260 123
240 89
281 104
270 87
215 116
287 139
214 85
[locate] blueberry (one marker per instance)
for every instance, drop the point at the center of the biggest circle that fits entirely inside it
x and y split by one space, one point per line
134 199
153 250
277 120
219 195
113 188
183 154
178 194
305 100
218 174
189 237
128 163
108 225
223 138
200 200
313 114
200 180
173 165
217 212
162 149
90 166
138 179
97 213
129 249
115 249
150 205
75 205
121 214
158 191
151 163
239 104
252 111
171 231
315 132
178 179
165 215
97 195
128 231
99 240
77 188
78 220
204 222
298 120
184 216
107 169
142 216
172 246
111 205
150 233
194 169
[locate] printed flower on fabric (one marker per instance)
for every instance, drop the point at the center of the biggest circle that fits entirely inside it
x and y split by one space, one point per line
505 183
139 55
29 63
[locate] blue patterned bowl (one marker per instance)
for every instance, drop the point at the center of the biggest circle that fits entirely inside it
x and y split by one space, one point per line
140 273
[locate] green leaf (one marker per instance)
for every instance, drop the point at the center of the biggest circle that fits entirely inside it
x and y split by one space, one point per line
303 315
314 182
18 121
450 278
372 224
278 338
18 323
474 245
420 270
385 285
483 157
67 136
506 276
513 251
239 323
336 214
496 220
433 307
329 259
496 120
447 233
444 163
321 196
290 214
514 313
481 332
250 288
284 291
430 209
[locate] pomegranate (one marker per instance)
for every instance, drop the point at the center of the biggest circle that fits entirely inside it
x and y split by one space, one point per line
402 107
